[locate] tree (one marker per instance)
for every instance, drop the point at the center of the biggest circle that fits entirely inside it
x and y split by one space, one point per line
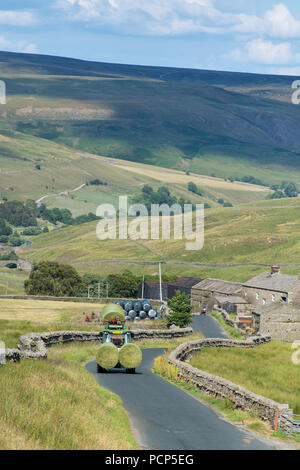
193 188
180 310
147 189
17 214
291 190
4 228
54 279
122 285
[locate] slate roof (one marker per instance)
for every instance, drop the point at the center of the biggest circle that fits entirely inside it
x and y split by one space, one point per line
281 308
232 299
219 286
276 282
185 282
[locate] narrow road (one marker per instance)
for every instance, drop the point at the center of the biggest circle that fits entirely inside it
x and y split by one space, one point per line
208 326
165 417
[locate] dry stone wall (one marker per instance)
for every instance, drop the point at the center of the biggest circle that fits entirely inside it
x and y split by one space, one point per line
216 386
34 345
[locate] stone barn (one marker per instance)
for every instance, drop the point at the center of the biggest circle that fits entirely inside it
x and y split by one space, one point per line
206 292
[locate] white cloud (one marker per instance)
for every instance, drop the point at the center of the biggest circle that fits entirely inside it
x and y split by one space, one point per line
265 52
17 46
181 17
17 18
282 23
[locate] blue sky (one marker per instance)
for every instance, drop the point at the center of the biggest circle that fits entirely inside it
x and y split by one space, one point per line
239 35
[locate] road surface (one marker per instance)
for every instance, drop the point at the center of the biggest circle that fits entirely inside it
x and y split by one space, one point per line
165 417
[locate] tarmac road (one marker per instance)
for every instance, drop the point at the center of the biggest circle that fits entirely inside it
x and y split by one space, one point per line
164 417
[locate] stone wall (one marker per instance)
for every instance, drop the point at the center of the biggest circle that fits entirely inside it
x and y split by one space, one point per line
282 326
216 386
34 345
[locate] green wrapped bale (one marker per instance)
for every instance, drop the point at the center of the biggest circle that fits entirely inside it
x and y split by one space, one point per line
107 356
113 312
130 356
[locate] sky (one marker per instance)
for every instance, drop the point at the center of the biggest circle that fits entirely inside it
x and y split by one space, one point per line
260 36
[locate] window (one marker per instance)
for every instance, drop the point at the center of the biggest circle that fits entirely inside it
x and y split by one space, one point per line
257 296
273 298
264 301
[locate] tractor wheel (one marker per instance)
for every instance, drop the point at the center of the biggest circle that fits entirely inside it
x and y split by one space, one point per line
100 369
130 371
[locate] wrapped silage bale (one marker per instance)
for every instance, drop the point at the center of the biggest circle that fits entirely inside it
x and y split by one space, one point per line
130 356
143 314
137 306
128 306
147 307
152 313
113 312
107 356
132 314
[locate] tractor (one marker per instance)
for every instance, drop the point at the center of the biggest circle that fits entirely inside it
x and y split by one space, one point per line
117 350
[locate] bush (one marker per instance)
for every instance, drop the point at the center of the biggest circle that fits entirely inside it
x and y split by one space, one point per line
32 231
54 279
180 310
15 241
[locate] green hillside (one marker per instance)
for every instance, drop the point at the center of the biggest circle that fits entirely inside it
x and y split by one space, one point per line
267 235
228 124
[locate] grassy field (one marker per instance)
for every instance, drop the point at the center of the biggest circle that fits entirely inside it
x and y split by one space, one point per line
266 370
45 311
267 234
12 282
57 405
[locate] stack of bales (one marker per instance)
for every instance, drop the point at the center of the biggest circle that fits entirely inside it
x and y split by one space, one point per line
134 310
108 356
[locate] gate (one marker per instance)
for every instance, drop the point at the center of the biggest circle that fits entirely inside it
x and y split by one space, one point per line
289 423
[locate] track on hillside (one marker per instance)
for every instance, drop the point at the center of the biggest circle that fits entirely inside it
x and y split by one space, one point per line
165 417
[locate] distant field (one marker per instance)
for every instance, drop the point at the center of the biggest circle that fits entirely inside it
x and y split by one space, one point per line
45 311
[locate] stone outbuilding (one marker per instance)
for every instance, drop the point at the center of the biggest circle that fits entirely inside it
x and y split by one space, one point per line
233 304
207 292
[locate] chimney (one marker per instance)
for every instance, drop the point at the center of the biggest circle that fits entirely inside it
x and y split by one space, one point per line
275 269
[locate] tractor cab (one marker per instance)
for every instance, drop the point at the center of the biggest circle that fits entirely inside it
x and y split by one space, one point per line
116 332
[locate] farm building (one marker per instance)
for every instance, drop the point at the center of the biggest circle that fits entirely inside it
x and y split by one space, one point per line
152 291
206 292
281 321
233 304
272 287
183 284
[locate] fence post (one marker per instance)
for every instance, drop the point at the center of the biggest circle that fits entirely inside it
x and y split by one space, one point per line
277 414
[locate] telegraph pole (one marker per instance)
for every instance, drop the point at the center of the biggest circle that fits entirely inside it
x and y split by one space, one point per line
143 286
160 287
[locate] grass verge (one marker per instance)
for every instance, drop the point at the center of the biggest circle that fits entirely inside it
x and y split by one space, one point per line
232 332
56 404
